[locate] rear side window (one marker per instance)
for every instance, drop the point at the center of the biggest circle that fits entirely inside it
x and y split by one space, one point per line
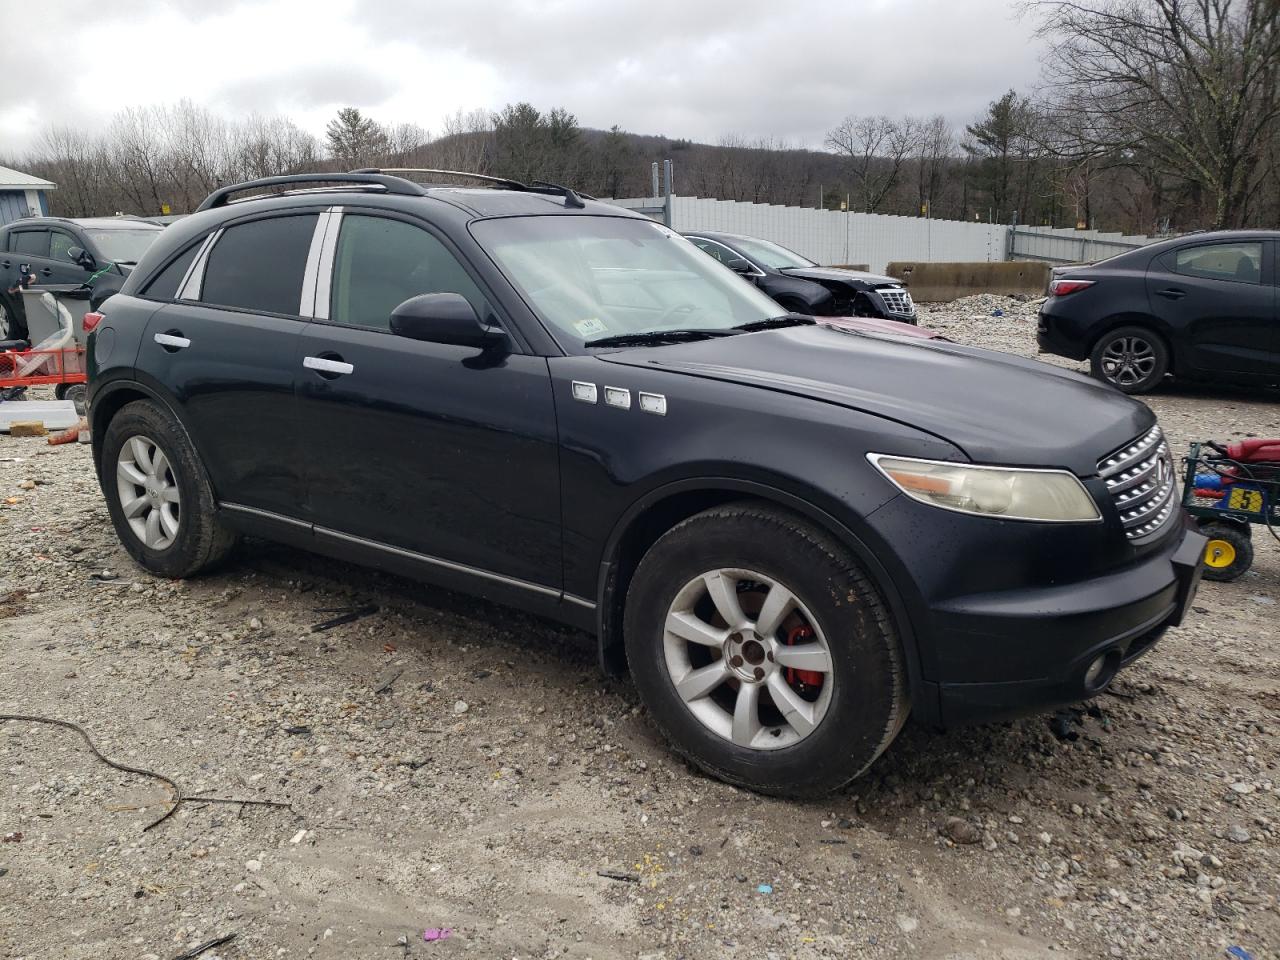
381 263
1241 262
259 265
34 242
165 285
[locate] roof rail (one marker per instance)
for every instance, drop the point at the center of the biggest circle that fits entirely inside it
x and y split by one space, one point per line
396 185
501 181
571 197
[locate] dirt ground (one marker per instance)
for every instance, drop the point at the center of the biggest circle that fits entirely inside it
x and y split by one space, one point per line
451 765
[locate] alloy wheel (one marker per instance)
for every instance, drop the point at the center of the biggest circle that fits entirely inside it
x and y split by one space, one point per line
148 492
1128 360
748 659
4 322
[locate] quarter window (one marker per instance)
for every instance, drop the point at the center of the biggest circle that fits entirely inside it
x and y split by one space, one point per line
1241 262
380 263
259 265
33 242
165 285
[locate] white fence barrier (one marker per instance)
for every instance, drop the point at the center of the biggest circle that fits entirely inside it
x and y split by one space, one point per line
832 236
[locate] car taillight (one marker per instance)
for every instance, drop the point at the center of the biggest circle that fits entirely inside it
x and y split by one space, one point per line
1060 288
91 321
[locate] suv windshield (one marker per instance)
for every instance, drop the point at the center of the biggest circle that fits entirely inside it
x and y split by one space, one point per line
770 255
591 278
123 245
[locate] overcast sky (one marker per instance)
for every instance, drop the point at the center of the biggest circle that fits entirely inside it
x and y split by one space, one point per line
701 69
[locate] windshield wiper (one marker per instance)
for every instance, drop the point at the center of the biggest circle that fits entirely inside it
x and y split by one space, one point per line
657 337
773 323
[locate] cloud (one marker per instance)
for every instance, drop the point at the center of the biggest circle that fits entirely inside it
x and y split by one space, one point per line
700 69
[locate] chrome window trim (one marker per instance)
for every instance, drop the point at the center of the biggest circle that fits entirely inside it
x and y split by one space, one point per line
324 266
307 303
193 280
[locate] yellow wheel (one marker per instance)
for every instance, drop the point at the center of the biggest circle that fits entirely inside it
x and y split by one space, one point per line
1219 554
1229 552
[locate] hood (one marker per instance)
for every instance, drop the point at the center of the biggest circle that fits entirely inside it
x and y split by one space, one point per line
997 408
895 328
838 275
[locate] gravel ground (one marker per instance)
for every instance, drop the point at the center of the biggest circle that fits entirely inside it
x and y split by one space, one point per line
447 764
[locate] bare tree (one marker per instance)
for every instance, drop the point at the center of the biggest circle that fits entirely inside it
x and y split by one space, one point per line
934 148
875 149
1193 83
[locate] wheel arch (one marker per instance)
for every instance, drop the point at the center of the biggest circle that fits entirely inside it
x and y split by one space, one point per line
661 509
111 398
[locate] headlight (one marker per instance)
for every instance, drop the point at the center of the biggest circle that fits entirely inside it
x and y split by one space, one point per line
1048 495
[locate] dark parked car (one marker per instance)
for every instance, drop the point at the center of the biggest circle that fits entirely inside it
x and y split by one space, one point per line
790 534
1201 307
61 251
802 286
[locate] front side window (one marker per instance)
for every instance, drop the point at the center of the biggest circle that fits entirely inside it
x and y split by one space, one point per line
259 265
719 251
590 278
771 255
380 263
32 242
60 245
1240 262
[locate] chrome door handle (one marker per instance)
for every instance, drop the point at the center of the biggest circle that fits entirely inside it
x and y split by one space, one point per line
325 365
171 341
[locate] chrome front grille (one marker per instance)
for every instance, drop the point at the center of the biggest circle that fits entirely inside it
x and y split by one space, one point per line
1141 480
897 301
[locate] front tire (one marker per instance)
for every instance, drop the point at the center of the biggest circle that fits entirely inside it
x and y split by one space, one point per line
763 652
1131 359
158 495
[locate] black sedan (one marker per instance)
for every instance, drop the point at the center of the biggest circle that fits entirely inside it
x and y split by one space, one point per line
802 286
1201 307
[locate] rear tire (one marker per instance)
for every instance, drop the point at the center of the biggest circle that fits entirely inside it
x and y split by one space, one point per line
1131 359
1229 552
158 494
825 690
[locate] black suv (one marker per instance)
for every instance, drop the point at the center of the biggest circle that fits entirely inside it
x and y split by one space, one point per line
60 251
790 534
1201 307
802 286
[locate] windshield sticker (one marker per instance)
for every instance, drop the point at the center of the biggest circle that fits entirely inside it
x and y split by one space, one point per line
590 327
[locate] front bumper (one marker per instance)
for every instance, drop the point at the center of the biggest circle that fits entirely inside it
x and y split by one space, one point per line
1024 651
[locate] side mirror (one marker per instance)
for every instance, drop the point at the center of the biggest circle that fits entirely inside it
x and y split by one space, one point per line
82 256
738 265
442 318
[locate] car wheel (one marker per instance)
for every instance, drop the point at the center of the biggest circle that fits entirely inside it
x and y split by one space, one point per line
5 323
763 652
158 495
1229 552
1132 359
77 393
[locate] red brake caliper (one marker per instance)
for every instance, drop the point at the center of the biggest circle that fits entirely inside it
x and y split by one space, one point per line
810 678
